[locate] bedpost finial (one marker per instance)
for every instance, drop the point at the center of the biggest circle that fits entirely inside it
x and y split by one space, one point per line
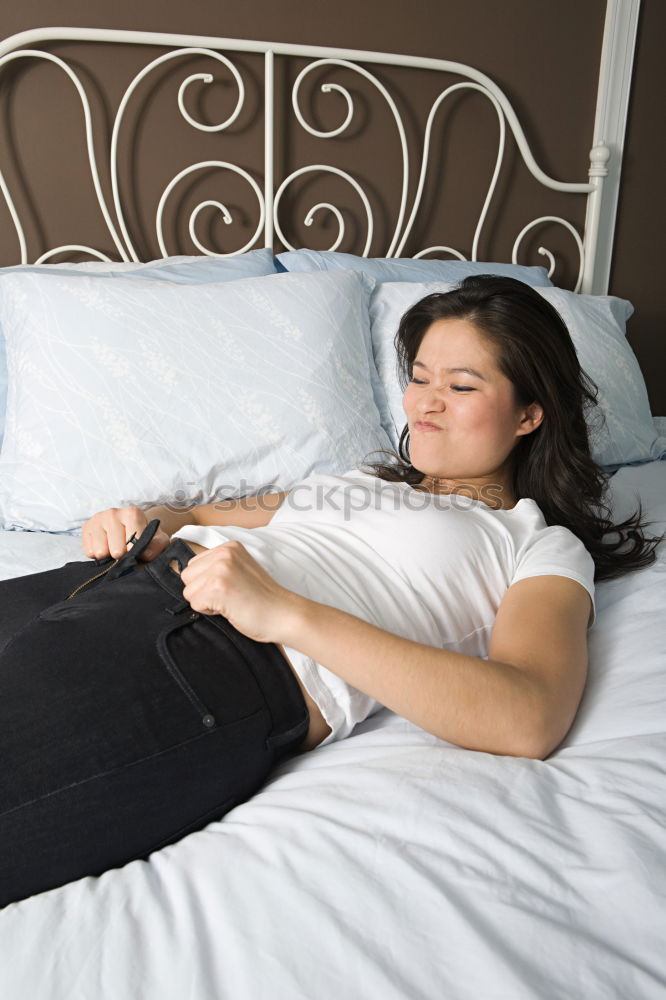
599 157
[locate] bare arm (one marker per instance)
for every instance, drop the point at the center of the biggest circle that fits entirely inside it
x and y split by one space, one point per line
108 532
521 701
248 512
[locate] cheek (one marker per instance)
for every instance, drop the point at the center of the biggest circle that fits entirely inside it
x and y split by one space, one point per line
473 413
499 421
484 418
488 417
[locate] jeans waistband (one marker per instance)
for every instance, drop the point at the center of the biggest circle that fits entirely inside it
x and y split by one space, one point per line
161 571
272 672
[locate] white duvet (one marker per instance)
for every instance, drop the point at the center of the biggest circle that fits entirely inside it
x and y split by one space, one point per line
394 866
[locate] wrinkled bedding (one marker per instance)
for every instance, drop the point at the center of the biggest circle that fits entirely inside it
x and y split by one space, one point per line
395 861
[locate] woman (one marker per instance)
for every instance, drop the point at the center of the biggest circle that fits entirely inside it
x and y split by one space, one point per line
453 585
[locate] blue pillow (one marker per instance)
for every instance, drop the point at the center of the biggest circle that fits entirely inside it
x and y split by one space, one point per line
195 270
183 270
135 392
406 268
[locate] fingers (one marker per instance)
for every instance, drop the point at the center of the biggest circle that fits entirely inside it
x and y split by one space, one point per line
218 559
108 532
200 577
228 581
118 536
94 538
208 576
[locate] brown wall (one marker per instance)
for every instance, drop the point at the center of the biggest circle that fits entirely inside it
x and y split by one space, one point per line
639 261
547 69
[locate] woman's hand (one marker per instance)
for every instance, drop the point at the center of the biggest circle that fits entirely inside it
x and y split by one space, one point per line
226 580
108 533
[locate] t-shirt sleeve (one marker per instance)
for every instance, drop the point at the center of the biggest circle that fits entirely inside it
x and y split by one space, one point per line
556 551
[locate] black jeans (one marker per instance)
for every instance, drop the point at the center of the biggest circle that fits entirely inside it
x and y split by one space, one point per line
126 719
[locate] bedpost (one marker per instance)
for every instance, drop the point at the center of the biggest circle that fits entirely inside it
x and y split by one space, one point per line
617 59
599 156
269 114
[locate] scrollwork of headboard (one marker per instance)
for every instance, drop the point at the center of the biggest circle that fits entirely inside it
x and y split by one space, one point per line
268 195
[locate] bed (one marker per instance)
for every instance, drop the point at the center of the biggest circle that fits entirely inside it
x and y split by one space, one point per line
390 864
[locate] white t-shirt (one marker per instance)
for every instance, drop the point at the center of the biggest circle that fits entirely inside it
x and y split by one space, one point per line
430 567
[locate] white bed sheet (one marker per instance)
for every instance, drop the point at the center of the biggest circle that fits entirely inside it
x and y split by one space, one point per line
393 865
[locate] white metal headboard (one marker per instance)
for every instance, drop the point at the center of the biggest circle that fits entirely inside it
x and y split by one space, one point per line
592 275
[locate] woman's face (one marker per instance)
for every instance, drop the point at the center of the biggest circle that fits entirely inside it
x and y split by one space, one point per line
462 413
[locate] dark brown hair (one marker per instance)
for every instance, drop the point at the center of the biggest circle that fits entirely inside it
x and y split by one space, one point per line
552 465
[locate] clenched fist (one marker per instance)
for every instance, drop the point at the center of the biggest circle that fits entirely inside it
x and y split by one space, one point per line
226 580
108 533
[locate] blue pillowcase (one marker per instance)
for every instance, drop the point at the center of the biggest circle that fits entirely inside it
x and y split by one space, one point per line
136 392
406 268
183 270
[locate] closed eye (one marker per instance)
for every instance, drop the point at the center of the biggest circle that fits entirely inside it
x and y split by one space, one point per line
456 388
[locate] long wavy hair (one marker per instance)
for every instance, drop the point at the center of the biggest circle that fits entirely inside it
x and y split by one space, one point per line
553 464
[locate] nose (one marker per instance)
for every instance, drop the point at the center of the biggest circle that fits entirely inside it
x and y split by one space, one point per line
431 400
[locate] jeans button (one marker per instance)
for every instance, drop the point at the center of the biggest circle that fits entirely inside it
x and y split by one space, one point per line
208 721
194 615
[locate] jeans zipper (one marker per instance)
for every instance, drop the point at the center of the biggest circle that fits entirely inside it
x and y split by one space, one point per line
92 579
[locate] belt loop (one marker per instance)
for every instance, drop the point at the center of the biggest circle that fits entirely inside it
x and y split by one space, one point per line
131 557
162 573
178 607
